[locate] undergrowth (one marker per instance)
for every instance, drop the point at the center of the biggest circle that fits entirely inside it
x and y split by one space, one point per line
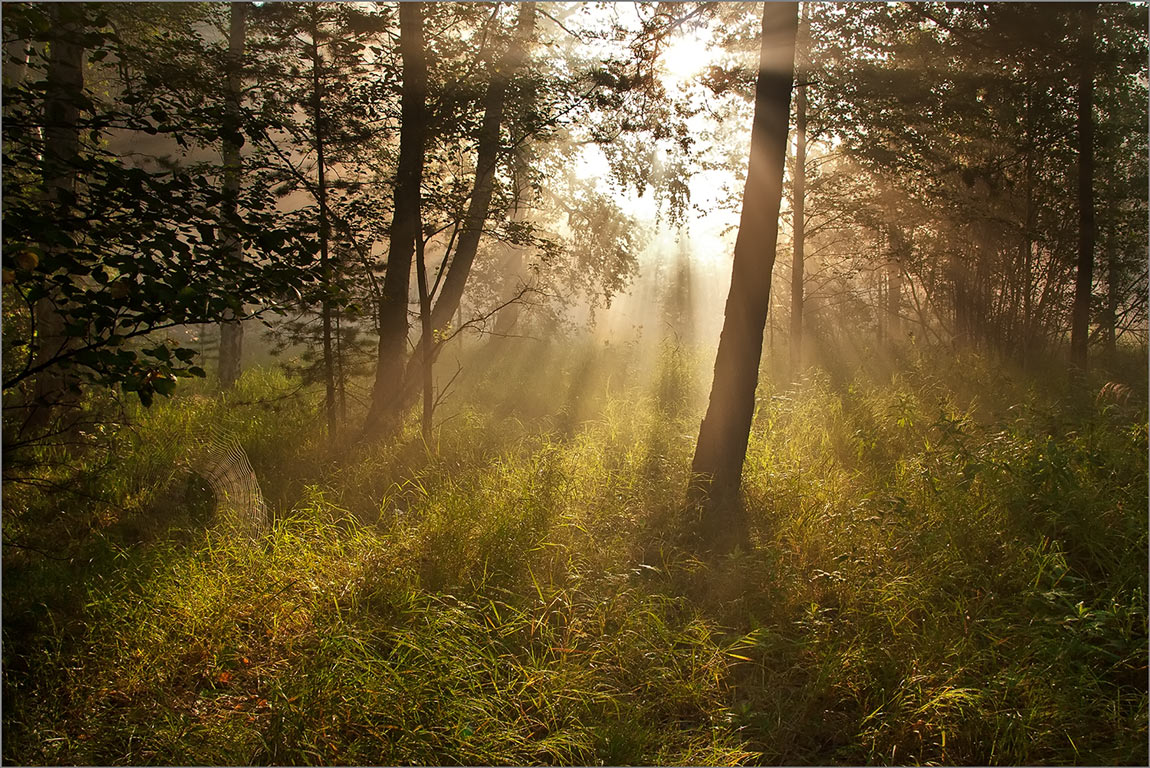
948 566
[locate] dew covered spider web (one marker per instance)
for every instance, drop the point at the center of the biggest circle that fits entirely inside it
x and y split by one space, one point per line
220 459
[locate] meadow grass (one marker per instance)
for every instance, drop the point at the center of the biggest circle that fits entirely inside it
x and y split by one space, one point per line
948 565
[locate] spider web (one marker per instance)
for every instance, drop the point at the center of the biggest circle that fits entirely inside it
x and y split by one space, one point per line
220 460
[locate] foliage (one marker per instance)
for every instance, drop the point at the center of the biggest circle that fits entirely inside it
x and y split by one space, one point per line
960 123
134 250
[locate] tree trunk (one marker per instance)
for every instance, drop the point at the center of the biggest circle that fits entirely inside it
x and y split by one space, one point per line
393 325
329 400
898 253
723 434
1111 331
341 370
513 268
485 164
403 382
1084 282
53 386
426 361
798 263
232 329
1028 239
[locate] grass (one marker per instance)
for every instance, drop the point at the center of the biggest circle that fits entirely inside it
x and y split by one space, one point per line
949 566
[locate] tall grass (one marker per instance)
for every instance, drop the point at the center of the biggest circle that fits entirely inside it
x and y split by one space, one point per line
943 571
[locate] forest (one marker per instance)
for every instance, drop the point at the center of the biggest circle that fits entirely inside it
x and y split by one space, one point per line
659 383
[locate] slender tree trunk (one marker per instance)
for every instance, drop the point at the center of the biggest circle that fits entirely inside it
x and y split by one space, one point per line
724 432
393 325
1084 282
326 272
513 270
880 321
1112 288
426 361
898 253
403 384
680 302
893 301
341 371
485 164
798 225
232 329
513 273
1028 237
54 387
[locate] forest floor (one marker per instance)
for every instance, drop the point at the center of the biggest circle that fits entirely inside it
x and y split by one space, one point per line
948 565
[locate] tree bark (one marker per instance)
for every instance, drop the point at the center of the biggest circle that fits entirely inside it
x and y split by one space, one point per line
393 324
1110 338
798 225
723 434
1084 282
329 401
1028 238
232 329
54 387
426 361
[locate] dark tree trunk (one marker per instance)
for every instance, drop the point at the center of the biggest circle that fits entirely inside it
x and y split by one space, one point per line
798 263
232 330
485 164
723 434
403 386
393 326
1084 282
1110 339
53 386
326 272
425 360
1024 347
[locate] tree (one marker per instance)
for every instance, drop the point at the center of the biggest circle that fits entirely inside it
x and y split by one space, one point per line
393 397
63 95
405 226
723 434
232 329
798 207
127 250
1084 282
320 81
488 152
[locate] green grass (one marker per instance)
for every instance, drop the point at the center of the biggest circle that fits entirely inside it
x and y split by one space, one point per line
948 566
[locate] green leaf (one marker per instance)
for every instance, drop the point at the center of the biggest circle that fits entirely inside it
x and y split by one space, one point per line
164 386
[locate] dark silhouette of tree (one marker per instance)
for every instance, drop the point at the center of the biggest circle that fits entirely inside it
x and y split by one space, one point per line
393 321
232 329
1084 280
487 158
55 386
723 434
413 377
799 191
